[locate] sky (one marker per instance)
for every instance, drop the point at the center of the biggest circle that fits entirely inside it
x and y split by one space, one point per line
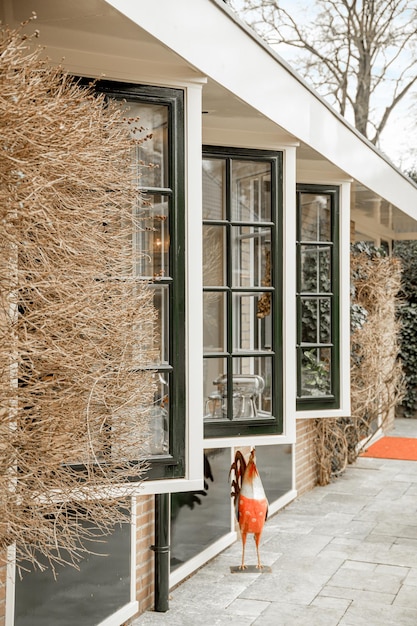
399 139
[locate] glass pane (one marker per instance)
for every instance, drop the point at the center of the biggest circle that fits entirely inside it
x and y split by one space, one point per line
214 371
208 509
214 321
160 302
252 382
252 321
325 277
251 191
251 256
309 320
315 217
275 467
315 320
214 250
150 124
214 176
315 372
83 596
325 320
158 435
309 269
315 269
151 242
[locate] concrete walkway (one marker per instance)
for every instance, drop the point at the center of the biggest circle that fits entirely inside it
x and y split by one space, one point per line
344 554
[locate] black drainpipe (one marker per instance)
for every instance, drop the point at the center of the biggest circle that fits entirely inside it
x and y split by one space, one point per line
161 549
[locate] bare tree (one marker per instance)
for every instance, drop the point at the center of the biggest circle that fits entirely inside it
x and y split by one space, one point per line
358 54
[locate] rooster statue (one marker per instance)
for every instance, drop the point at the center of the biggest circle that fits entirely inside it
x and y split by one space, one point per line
251 505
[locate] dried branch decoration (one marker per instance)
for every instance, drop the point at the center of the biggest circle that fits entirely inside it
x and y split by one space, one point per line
76 325
377 382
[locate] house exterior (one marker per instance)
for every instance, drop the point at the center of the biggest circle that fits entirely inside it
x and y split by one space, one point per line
258 191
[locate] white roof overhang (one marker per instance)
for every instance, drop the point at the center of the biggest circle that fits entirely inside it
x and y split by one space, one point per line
210 38
248 85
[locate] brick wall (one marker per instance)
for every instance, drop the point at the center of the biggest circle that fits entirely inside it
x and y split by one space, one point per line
3 573
144 555
306 470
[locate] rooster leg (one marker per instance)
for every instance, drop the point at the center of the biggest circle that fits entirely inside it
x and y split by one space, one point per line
257 538
243 535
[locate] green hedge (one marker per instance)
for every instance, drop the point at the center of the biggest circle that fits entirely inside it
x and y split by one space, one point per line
407 252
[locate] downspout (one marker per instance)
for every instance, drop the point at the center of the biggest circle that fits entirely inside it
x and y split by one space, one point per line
162 550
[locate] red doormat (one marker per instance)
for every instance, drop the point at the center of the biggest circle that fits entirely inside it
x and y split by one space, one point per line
399 448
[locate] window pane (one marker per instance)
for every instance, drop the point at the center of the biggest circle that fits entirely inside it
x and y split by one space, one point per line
160 301
251 256
325 320
214 176
315 217
151 124
315 269
214 307
159 422
209 510
315 320
252 377
251 191
83 596
214 262
214 370
325 277
152 241
315 372
252 321
309 320
309 269
275 466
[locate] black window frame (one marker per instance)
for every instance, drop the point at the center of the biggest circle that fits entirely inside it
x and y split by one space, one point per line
274 424
173 464
332 400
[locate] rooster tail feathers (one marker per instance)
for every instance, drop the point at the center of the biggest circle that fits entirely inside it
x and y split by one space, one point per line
237 471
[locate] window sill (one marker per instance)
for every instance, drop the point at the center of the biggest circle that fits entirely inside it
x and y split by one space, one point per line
120 616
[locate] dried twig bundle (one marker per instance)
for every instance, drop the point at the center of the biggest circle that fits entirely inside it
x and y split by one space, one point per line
76 325
377 381
376 373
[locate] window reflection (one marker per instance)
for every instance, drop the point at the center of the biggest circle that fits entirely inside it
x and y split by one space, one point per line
239 236
316 294
214 176
199 518
251 183
87 595
151 249
153 153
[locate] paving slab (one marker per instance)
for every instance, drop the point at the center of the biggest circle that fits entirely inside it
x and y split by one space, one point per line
341 555
373 614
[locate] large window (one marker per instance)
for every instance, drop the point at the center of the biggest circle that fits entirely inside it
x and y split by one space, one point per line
317 297
158 115
88 594
242 295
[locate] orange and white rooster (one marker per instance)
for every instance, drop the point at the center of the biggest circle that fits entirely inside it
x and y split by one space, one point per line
251 505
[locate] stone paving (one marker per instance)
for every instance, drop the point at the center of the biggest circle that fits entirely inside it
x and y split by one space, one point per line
341 555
